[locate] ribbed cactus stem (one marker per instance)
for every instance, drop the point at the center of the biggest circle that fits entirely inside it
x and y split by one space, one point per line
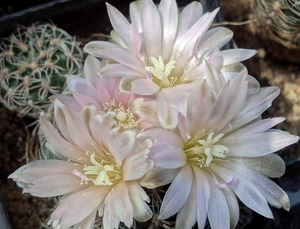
281 19
34 63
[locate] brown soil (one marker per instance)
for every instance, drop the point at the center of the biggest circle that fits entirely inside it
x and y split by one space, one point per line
25 211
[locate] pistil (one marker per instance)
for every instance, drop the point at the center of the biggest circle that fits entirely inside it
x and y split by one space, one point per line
203 151
161 72
124 117
102 172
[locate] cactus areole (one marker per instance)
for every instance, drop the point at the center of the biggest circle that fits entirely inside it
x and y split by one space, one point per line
34 63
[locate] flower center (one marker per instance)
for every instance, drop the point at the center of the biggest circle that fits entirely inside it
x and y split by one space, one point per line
161 72
202 152
102 172
124 117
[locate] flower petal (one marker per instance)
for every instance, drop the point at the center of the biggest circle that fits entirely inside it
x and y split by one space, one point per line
270 165
110 219
189 16
270 190
176 98
135 14
218 211
118 70
70 101
136 166
152 32
127 32
77 128
177 193
122 204
228 104
144 87
215 37
255 127
105 86
201 97
88 113
84 100
254 106
167 156
91 68
119 23
188 40
187 215
79 205
214 78
203 196
123 145
169 17
232 56
59 146
126 58
137 195
38 169
88 222
158 177
60 119
54 185
258 144
215 58
100 48
161 137
146 109
233 206
126 83
167 115
245 190
81 85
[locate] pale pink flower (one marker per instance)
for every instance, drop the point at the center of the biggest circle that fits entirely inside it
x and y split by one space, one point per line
103 92
230 153
161 52
98 168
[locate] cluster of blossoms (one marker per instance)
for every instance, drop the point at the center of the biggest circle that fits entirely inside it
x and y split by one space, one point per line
161 104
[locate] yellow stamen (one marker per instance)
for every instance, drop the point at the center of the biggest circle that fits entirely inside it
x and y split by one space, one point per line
162 72
204 151
100 171
124 117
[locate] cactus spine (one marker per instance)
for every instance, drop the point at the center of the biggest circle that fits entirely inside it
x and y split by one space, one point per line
281 19
34 63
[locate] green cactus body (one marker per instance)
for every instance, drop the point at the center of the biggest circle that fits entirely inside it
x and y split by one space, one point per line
281 19
34 63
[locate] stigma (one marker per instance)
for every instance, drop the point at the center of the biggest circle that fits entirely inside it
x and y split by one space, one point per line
210 149
102 172
204 151
125 119
161 72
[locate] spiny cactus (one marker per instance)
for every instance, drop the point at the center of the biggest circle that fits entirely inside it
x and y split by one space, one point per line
34 63
281 19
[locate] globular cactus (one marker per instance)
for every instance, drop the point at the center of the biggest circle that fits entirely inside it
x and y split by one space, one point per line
34 63
281 19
